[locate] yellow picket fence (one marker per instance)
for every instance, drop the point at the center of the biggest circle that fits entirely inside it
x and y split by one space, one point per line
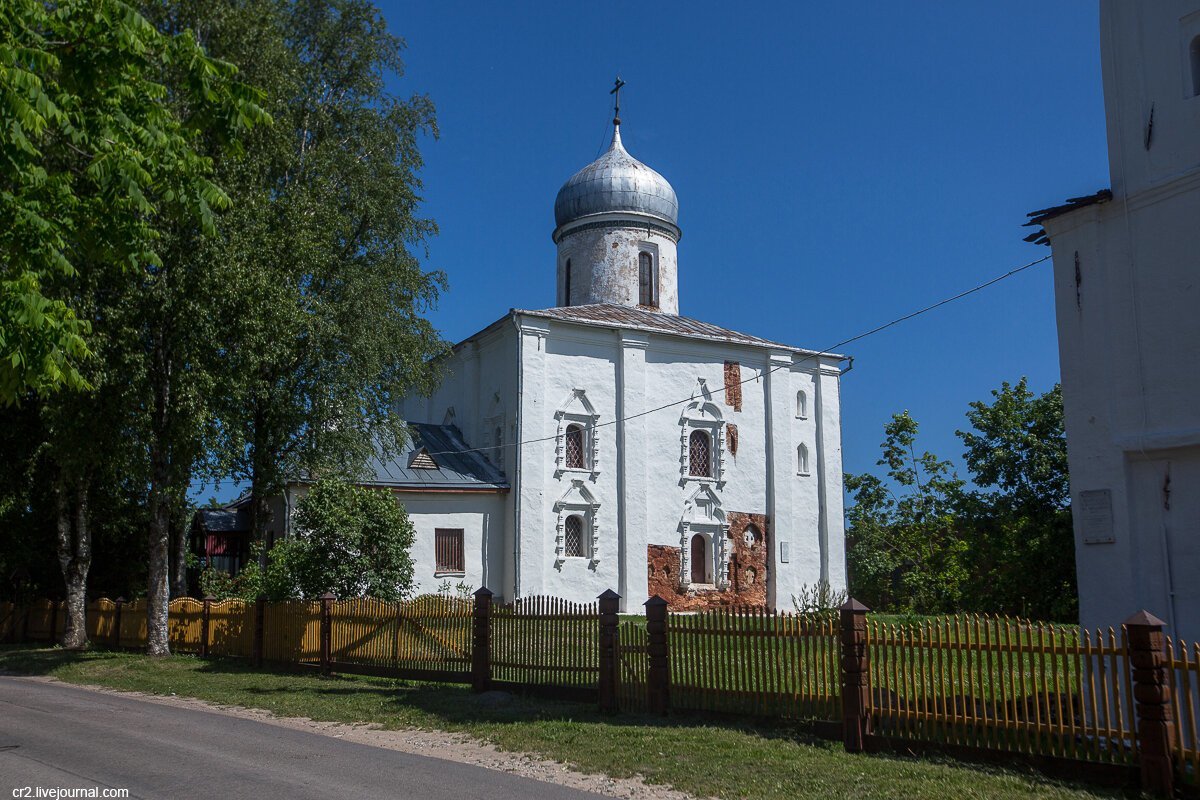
431 633
1183 664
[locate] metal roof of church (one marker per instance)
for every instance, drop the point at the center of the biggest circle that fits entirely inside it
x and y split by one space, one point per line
616 182
459 466
611 315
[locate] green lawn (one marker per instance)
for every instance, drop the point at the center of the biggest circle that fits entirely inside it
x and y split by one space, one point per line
726 761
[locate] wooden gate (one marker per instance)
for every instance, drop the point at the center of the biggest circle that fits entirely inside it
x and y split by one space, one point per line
633 665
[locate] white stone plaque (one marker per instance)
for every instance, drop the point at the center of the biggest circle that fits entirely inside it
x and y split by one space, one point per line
783 552
1096 513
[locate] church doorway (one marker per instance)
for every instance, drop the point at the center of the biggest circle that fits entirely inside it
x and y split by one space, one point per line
699 559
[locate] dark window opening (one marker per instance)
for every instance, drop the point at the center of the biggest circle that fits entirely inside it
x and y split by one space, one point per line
567 284
448 550
647 286
699 449
573 537
1194 54
574 447
699 559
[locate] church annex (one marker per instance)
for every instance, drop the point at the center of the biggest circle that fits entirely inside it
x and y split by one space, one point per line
637 449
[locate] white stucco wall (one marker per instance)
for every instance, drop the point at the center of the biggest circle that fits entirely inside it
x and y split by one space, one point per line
604 266
639 490
1127 294
480 516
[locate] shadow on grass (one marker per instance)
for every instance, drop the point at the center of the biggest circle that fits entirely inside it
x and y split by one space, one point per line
449 706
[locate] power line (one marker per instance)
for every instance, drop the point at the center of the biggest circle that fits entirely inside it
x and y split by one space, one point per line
831 350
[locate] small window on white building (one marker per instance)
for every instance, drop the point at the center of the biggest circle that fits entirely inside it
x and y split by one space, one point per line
573 538
574 444
700 454
1194 58
802 460
448 550
801 405
647 281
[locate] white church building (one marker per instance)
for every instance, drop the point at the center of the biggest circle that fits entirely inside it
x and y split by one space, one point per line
1127 292
610 443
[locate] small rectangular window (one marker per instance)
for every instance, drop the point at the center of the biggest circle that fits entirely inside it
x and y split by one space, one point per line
448 550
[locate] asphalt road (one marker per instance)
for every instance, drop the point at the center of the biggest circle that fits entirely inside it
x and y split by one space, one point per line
53 735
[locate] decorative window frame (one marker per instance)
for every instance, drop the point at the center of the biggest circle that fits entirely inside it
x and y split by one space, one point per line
577 501
702 415
702 513
803 456
577 410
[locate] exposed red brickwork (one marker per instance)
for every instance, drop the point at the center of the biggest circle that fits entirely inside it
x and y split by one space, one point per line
733 385
747 566
731 438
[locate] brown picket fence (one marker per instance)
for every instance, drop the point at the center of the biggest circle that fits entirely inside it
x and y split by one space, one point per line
545 641
753 661
983 684
1004 684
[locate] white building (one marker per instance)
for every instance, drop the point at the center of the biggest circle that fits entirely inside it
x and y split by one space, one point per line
626 447
1127 289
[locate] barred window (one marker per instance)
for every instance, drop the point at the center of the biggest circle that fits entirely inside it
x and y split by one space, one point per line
574 447
699 448
448 549
573 537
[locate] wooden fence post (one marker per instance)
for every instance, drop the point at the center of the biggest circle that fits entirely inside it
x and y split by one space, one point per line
1152 696
206 625
25 622
856 677
260 618
610 604
327 632
120 601
481 641
658 683
53 620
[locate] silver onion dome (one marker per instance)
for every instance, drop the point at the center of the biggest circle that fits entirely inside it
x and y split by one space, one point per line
616 182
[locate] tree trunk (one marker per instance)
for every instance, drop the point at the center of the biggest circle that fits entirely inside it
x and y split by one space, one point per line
179 576
159 533
74 544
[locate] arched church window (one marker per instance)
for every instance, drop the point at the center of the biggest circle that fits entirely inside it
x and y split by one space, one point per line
699 454
574 447
801 405
802 460
1194 56
699 556
647 285
567 284
573 537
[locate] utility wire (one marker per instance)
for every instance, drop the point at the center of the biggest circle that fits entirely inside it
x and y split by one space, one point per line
831 350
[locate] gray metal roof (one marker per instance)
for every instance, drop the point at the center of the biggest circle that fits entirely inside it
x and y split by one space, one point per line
616 182
460 467
224 520
611 315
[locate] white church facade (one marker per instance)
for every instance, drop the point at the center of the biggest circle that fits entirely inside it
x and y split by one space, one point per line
610 443
1127 291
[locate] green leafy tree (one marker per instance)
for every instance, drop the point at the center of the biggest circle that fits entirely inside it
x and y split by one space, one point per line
105 153
328 327
349 540
906 545
1022 553
93 157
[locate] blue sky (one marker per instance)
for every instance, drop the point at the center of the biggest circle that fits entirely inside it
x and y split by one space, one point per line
837 165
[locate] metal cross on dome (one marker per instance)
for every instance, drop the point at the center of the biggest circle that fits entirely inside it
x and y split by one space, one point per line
616 92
